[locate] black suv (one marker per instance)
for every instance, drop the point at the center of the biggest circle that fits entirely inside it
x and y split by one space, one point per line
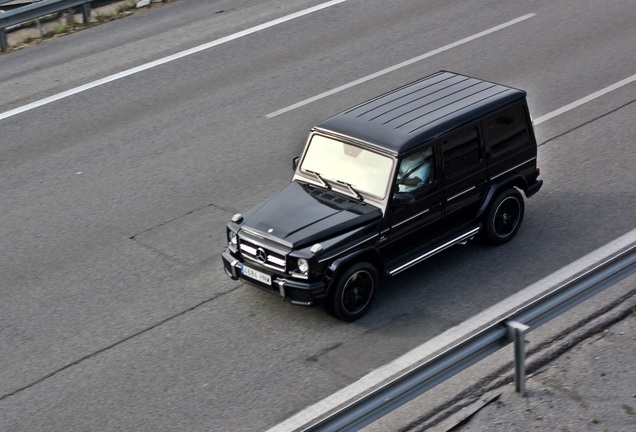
387 184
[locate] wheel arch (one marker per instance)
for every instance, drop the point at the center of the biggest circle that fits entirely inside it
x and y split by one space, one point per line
340 264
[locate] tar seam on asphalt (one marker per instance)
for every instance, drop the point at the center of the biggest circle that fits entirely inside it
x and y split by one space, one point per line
179 217
126 339
587 122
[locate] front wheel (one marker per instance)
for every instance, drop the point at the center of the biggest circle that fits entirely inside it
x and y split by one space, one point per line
354 292
504 217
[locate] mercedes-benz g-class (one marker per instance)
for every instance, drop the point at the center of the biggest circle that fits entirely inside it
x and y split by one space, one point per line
387 184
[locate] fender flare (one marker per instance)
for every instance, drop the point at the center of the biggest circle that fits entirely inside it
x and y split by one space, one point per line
509 181
336 266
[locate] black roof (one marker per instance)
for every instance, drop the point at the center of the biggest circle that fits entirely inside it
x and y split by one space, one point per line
421 111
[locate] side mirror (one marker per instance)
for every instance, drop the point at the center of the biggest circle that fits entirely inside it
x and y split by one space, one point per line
295 162
403 199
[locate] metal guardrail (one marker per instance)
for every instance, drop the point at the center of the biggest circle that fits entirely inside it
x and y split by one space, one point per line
511 328
8 1
38 10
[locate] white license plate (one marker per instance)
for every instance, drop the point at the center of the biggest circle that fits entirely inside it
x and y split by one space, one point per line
257 275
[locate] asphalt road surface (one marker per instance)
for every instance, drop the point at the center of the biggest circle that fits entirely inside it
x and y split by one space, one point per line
115 312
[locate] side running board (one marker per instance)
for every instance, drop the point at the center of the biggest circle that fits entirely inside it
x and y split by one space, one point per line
462 238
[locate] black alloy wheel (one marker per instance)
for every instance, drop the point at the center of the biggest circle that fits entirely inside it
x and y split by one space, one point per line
504 217
354 292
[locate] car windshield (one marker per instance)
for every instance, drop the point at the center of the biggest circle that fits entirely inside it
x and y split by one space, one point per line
366 171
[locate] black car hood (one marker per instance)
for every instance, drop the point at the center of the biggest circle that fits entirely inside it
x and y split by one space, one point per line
302 214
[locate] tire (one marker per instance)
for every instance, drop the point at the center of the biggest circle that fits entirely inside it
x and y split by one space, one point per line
353 292
504 217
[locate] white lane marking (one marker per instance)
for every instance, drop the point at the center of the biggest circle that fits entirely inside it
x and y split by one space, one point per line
451 336
399 66
165 60
584 100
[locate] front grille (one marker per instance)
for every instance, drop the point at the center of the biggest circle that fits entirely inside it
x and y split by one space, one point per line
262 255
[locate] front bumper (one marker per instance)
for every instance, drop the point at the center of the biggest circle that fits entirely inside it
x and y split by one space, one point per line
292 290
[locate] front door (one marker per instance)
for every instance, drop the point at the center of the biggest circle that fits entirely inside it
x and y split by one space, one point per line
416 223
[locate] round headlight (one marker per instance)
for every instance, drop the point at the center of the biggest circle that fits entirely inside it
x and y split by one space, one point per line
303 265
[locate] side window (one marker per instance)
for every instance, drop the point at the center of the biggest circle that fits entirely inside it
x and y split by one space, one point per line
417 171
461 151
507 129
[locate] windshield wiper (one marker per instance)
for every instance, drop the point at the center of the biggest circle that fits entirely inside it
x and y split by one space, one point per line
351 188
324 182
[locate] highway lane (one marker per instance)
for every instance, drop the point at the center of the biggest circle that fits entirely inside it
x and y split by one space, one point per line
63 63
116 313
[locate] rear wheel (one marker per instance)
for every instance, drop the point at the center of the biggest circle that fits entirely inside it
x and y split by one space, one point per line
354 292
504 217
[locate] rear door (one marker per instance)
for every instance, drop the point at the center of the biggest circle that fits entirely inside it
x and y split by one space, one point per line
464 173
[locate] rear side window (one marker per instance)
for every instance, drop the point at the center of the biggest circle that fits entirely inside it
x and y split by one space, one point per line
461 151
507 129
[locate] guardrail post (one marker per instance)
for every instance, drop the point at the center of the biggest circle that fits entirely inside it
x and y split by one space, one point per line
517 332
86 12
38 24
3 40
